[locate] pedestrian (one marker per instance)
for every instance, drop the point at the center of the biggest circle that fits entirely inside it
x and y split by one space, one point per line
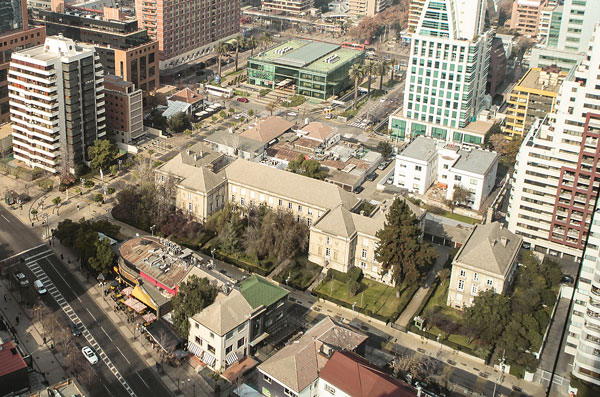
17 320
5 299
44 340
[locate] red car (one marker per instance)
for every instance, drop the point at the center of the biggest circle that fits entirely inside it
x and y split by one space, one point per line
244 100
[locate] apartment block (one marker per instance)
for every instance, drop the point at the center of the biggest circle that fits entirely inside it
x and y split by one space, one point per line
556 179
15 35
532 98
487 260
497 69
56 93
525 16
125 50
289 7
188 30
447 72
583 338
426 161
124 113
367 8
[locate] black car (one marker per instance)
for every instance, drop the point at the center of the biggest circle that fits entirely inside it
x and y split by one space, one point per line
567 279
74 329
372 176
359 189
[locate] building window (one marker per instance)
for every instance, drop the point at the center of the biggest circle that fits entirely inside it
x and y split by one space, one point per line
162 178
363 265
329 389
328 241
474 290
280 202
475 276
490 282
210 348
229 335
418 168
190 207
290 205
198 340
197 325
288 392
212 336
228 349
463 273
190 196
267 379
327 252
241 342
299 208
363 254
461 285
241 201
309 211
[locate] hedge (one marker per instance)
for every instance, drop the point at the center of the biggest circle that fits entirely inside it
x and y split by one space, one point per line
425 301
238 263
412 328
354 274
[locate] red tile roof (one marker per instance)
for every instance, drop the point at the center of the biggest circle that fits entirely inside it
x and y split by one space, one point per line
357 377
10 360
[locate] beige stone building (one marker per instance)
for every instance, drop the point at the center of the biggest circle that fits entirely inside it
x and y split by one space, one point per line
488 260
343 239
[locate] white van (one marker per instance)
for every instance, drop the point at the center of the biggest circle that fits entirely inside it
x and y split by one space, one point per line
39 287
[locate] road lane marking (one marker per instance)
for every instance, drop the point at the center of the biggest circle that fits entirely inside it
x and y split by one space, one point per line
88 310
106 333
57 272
5 218
24 252
123 355
142 379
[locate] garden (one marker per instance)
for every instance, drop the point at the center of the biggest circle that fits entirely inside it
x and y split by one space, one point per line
299 273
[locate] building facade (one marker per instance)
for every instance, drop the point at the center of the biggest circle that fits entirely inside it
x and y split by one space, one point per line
532 98
188 30
289 7
525 16
497 68
583 339
56 103
125 50
15 35
555 183
487 260
366 8
124 112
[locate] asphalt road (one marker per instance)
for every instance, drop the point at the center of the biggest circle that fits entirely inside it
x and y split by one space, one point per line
142 379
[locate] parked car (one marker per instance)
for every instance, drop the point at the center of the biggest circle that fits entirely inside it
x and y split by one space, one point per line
39 287
567 279
21 279
74 329
359 189
90 355
243 100
372 176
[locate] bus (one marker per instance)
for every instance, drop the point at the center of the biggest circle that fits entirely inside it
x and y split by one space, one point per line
354 46
218 91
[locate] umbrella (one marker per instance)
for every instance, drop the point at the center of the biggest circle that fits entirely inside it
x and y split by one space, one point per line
100 277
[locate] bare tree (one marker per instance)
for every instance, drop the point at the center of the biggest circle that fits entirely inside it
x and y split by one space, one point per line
418 366
143 172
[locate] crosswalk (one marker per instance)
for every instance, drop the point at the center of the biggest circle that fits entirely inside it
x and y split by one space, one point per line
41 275
359 124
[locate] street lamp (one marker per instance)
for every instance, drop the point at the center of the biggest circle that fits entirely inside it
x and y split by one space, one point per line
152 229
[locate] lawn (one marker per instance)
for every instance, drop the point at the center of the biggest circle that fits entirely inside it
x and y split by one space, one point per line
373 297
300 273
461 218
243 261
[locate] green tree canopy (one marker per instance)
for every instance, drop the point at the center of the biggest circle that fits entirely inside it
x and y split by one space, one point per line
180 122
192 296
400 248
488 316
104 258
102 153
385 148
310 168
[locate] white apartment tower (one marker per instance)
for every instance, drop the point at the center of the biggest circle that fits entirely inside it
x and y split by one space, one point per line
557 172
583 340
447 71
56 103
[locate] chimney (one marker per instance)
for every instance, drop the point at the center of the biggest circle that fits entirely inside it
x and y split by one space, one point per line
494 241
195 157
504 241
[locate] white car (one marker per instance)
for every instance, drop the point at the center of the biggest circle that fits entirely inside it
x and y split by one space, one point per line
90 355
21 279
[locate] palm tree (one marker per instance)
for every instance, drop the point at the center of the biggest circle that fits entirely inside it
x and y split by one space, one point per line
252 42
382 67
266 39
356 73
369 69
239 42
271 106
392 63
221 50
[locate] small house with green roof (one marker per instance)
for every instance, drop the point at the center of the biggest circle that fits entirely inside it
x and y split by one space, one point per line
315 69
237 322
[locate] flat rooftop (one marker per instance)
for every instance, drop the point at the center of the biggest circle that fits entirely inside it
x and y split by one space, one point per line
476 161
5 130
539 79
421 148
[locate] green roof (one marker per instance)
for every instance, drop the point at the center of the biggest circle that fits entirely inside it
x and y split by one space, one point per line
306 54
258 291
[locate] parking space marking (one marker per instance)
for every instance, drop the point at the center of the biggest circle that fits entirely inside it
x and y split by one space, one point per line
68 310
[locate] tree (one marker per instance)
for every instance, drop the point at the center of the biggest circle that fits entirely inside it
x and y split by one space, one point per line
114 169
400 250
370 68
252 43
99 198
385 148
353 287
271 106
418 366
306 167
498 142
488 316
459 196
221 49
356 73
266 39
104 258
238 42
56 201
382 67
193 295
102 153
180 122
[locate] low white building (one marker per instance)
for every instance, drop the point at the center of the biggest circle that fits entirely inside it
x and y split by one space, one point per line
426 161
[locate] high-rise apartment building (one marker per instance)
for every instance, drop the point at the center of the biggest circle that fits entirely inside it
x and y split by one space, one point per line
124 113
532 98
557 173
15 35
447 72
188 30
291 7
124 49
571 27
368 8
525 16
56 103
